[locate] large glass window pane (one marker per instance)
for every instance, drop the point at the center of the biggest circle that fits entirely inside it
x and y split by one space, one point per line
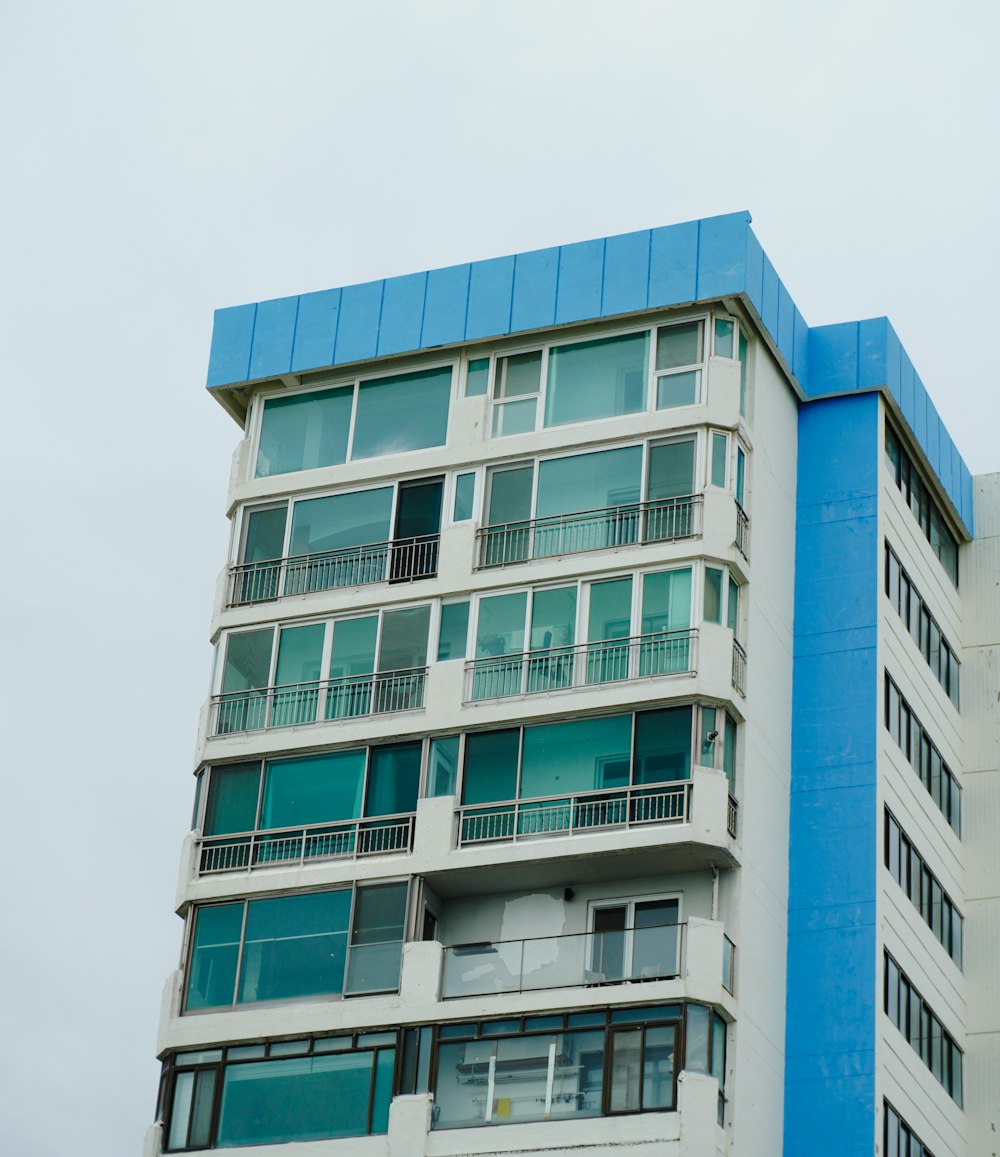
510 495
662 745
313 789
180 1113
248 661
626 1074
610 618
666 601
697 1039
295 946
385 1066
299 1099
490 766
300 656
462 1073
553 626
353 647
264 539
304 431
513 418
376 938
393 779
215 947
671 470
341 520
465 493
712 611
442 769
584 482
724 330
232 799
681 389
596 379
477 377
404 412
518 375
500 625
575 756
720 457
404 639
453 632
201 1116
742 346
658 1068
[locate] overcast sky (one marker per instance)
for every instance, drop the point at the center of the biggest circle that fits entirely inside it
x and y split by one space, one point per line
164 159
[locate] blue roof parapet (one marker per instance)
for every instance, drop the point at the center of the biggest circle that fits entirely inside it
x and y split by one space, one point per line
629 273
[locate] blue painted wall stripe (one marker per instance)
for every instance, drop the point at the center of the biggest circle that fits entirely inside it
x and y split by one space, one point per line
830 1059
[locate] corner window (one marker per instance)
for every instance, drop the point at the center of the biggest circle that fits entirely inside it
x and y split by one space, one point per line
679 354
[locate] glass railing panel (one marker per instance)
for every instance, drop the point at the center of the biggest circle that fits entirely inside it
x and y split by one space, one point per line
373 968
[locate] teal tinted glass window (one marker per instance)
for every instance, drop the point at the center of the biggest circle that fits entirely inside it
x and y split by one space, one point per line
596 379
518 375
743 374
393 779
353 647
708 725
678 345
454 631
232 799
662 745
341 520
465 493
696 1051
579 755
671 470
733 607
610 610
442 768
553 618
720 453
589 481
477 378
514 418
724 337
296 1099
215 948
404 412
680 389
500 626
248 660
313 789
490 766
510 494
712 612
666 601
265 534
404 639
300 653
729 753
304 431
385 1066
741 469
376 938
294 946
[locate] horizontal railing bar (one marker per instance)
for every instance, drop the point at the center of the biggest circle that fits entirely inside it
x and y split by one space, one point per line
227 836
566 935
665 787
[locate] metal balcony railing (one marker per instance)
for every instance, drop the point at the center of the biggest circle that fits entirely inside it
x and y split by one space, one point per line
664 520
732 813
296 704
742 532
584 665
739 668
287 847
398 560
586 811
583 958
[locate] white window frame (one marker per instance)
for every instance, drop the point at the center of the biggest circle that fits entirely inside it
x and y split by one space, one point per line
629 903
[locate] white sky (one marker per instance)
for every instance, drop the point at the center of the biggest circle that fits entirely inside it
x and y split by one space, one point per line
163 159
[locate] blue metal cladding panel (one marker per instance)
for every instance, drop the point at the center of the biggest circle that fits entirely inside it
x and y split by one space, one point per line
911 403
357 330
673 264
490 287
722 255
800 350
626 273
446 304
833 359
785 339
581 279
872 350
316 330
402 314
232 337
831 984
932 447
754 272
273 336
534 299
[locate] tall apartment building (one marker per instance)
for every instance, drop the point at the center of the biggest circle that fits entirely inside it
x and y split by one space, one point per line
586 767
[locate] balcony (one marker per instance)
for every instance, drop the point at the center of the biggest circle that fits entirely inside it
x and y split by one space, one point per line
398 560
664 520
567 961
586 665
590 811
739 673
292 847
298 704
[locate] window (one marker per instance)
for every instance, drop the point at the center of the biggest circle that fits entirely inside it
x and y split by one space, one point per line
465 493
591 501
679 354
345 539
910 1013
597 379
364 419
634 939
900 1140
296 947
924 757
921 886
454 631
918 497
516 387
477 377
261 1094
921 624
298 674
